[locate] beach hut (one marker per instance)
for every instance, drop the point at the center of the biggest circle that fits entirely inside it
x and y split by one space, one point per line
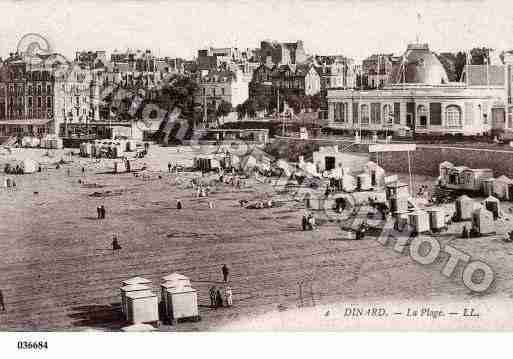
503 188
376 173
29 166
464 207
183 303
436 218
397 195
492 204
487 186
363 182
129 289
482 221
443 169
348 183
167 286
136 280
142 307
419 221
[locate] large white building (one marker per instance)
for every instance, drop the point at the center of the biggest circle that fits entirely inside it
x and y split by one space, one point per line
221 85
421 98
77 98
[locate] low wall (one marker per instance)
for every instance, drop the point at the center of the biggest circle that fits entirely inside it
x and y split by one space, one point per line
425 160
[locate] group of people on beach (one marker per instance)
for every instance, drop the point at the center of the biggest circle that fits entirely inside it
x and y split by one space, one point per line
308 222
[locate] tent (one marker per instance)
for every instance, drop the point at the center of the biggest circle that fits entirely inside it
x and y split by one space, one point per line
503 188
348 183
29 166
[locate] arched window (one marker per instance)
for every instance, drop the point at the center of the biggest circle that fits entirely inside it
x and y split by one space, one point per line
388 116
453 116
364 115
422 115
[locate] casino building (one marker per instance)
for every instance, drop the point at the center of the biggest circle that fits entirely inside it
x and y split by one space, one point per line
420 97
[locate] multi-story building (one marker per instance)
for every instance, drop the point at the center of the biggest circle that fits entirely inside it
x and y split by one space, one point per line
289 79
377 70
77 99
420 97
26 97
221 85
282 53
91 59
336 71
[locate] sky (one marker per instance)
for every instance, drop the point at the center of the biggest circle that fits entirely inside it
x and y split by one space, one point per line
179 28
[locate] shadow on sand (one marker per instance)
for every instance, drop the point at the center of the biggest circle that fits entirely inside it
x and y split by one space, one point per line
98 316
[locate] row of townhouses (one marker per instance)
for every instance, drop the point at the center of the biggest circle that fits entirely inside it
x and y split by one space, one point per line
41 96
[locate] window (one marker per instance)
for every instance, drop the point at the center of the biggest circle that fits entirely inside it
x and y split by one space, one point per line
48 88
453 116
388 116
49 102
375 113
30 101
422 115
222 91
39 102
364 115
340 114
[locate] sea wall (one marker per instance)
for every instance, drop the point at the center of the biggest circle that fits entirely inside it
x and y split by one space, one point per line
425 160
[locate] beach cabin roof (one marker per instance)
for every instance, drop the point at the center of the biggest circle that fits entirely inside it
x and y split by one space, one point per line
134 287
136 280
174 277
446 164
459 168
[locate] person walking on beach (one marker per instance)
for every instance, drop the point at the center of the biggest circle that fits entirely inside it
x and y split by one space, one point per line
102 211
169 166
99 211
178 204
219 298
115 244
226 272
212 293
229 296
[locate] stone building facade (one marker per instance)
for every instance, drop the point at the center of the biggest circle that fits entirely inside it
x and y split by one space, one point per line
419 97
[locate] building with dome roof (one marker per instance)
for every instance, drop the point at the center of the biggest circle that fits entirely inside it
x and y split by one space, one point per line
420 97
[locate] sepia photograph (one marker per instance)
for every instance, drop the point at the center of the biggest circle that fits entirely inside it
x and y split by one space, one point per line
255 166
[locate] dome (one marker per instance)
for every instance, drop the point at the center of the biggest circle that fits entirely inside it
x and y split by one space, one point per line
421 66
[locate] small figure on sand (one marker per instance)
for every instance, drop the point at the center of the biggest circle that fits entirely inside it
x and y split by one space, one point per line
2 304
115 244
178 204
226 272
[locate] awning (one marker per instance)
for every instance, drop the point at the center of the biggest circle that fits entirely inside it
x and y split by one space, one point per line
27 121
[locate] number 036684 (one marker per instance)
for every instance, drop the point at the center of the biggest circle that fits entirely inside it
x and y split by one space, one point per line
30 345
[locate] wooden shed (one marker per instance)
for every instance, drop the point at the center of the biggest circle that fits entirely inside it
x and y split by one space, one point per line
131 289
174 277
142 307
397 195
182 303
376 173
